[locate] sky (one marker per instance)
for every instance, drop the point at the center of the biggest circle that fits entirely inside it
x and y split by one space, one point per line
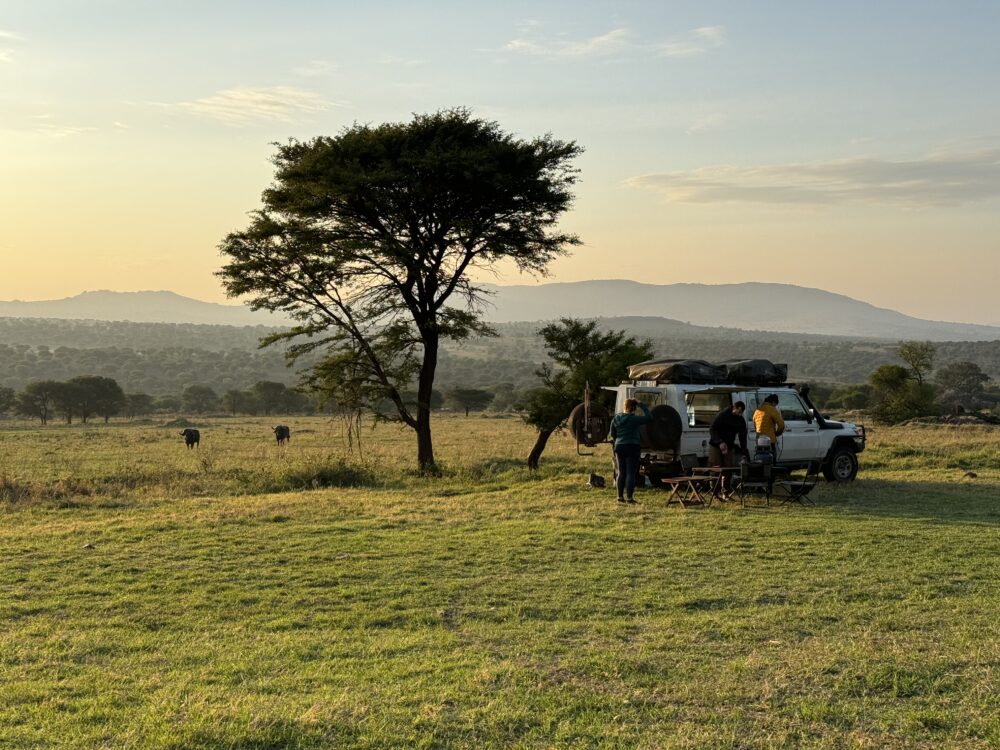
851 146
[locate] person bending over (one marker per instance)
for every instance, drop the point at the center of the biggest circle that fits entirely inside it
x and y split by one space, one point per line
727 428
625 431
768 421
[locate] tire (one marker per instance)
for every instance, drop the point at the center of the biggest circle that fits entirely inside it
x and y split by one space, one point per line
842 467
598 429
664 432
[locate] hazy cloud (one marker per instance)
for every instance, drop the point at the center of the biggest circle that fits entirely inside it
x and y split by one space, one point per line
695 42
6 53
315 68
62 131
240 105
937 179
531 43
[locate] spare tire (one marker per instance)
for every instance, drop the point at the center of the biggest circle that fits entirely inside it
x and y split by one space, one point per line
597 430
664 432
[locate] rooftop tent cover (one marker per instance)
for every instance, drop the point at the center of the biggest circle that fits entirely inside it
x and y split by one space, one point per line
677 371
754 372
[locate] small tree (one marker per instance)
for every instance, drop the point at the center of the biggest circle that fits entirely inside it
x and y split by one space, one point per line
962 384
894 395
38 399
138 404
199 399
368 239
468 399
8 399
270 395
919 355
587 355
95 394
235 401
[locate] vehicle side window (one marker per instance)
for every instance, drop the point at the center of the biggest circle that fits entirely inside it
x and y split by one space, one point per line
702 408
791 407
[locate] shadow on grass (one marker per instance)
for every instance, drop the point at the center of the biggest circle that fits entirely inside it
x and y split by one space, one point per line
942 502
276 734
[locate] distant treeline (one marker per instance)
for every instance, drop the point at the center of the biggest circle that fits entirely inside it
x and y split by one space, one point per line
160 359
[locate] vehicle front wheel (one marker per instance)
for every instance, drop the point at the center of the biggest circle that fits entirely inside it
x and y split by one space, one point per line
842 466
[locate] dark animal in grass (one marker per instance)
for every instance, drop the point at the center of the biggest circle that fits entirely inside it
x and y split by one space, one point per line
597 481
282 434
191 437
969 475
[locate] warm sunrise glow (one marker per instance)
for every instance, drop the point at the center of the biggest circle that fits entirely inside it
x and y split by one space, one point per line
848 147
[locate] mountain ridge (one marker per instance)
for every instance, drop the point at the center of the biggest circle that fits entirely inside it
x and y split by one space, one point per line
746 306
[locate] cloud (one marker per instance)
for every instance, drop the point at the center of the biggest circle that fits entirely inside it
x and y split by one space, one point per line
240 105
315 68
7 53
62 131
602 45
695 42
939 179
531 41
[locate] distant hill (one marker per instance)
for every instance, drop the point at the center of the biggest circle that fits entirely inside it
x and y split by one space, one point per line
139 307
721 310
749 306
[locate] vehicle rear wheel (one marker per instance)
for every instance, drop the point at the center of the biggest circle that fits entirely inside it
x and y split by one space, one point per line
842 466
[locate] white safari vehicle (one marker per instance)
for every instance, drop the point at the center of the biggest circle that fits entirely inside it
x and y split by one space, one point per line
683 412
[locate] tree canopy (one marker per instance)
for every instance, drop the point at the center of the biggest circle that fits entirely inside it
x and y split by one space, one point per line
367 239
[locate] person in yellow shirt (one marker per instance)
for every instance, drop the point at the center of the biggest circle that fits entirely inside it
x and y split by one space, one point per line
767 418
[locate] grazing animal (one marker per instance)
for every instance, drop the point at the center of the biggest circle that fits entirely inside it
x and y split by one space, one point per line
191 437
282 434
597 481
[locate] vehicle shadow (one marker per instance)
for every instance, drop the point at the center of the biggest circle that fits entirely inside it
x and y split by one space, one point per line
960 501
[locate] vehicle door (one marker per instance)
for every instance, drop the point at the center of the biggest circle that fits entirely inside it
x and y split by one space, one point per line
799 443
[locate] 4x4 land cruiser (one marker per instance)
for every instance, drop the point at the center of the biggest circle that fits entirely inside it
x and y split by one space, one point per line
683 412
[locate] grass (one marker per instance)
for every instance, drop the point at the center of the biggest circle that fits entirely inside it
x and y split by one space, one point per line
154 597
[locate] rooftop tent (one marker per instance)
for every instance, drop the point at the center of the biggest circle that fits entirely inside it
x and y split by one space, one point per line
677 371
754 372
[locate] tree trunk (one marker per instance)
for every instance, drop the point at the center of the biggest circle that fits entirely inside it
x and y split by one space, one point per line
425 389
536 452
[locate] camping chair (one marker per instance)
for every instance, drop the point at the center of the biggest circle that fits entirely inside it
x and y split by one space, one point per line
755 478
796 490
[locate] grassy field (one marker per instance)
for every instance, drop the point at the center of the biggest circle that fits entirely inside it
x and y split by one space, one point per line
248 596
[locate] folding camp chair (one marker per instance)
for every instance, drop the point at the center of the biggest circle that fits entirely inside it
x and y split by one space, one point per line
797 489
755 478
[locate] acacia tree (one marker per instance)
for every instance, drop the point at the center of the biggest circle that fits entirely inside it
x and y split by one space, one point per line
584 354
38 399
367 239
469 399
919 355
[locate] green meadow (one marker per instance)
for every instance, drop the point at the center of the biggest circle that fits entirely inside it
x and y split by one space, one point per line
250 596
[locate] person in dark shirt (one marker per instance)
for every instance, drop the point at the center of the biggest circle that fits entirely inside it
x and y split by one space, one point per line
727 427
625 431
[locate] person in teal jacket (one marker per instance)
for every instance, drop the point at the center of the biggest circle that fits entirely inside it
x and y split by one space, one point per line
625 432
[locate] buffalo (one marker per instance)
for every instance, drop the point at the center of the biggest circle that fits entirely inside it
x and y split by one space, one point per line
191 437
282 434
